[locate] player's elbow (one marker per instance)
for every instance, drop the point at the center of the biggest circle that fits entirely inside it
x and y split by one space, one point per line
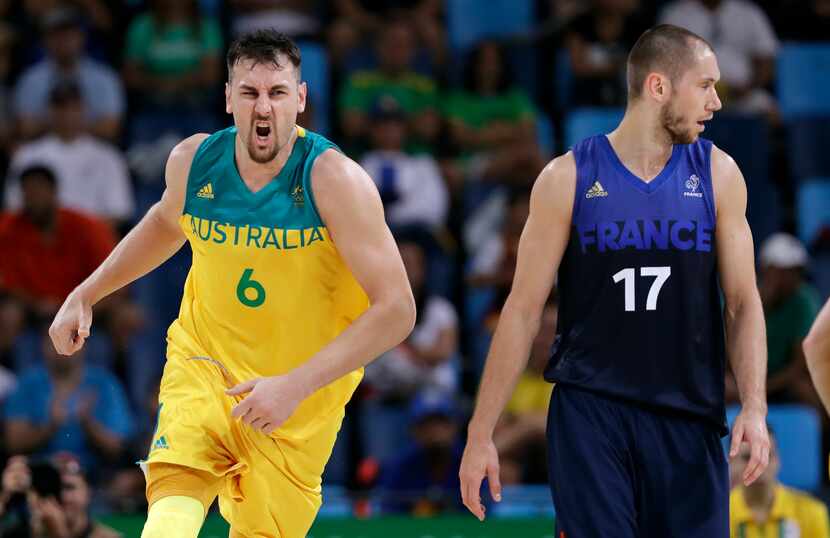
816 348
408 314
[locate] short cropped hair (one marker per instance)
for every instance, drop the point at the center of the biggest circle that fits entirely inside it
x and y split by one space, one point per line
264 46
665 48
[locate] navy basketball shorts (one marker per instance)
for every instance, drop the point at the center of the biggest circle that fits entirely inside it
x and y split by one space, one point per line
618 470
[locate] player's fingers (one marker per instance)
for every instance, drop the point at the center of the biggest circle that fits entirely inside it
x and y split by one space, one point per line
242 388
760 467
737 438
241 408
473 494
751 471
494 482
84 323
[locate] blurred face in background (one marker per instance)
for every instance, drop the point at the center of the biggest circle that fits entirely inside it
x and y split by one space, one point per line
68 117
265 99
389 134
66 44
395 48
40 198
693 98
489 67
75 495
436 434
779 283
414 261
60 367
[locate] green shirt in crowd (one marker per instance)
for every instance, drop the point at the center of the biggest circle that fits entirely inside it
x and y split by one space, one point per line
477 111
173 50
788 324
413 92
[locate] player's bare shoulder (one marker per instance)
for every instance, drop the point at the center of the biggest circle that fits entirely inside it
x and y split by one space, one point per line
175 176
555 187
338 182
727 182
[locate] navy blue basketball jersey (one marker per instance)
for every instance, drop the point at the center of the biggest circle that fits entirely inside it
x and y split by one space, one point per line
639 301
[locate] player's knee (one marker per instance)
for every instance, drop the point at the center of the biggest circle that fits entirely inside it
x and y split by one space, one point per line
174 517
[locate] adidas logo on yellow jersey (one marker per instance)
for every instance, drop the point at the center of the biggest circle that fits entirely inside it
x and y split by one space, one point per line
596 190
206 192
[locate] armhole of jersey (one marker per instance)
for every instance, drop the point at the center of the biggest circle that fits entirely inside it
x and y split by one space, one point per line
709 184
199 150
582 161
308 188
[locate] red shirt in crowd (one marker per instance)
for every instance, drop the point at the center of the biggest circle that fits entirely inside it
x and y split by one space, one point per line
49 266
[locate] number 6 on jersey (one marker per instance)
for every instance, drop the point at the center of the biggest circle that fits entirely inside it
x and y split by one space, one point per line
629 274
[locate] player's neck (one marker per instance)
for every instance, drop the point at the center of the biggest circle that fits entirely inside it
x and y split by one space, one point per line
638 144
258 174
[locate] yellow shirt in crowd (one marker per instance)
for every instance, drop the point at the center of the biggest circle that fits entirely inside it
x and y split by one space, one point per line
794 515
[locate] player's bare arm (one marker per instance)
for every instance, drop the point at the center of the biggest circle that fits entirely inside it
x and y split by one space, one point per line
541 247
817 350
744 316
350 206
149 244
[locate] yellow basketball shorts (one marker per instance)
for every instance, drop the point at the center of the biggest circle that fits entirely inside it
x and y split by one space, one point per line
267 486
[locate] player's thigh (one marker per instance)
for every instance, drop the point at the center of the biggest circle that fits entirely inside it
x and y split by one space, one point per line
167 480
266 502
684 482
591 472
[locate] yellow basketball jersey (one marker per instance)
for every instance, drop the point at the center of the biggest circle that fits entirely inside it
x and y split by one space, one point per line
267 288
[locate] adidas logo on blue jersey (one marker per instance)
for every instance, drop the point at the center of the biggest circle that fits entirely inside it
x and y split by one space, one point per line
596 191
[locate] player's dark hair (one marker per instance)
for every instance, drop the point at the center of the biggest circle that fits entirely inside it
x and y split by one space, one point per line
665 48
264 46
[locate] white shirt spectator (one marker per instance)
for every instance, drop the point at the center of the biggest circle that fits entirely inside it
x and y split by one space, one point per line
737 29
92 175
101 90
420 195
396 373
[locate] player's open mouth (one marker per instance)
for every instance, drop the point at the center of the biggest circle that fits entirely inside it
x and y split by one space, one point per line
263 132
702 123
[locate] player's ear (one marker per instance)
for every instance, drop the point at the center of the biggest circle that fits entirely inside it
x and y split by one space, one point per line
302 95
658 87
228 97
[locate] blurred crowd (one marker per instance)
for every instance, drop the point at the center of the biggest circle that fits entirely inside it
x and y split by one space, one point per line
453 124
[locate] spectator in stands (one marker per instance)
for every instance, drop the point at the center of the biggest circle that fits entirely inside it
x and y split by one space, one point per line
744 41
173 58
411 186
48 250
76 497
423 480
101 92
416 94
790 306
68 406
92 175
520 435
494 263
357 20
492 122
297 18
7 42
767 508
420 364
598 43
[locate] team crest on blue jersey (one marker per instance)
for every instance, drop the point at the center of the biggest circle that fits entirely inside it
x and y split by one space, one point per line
692 184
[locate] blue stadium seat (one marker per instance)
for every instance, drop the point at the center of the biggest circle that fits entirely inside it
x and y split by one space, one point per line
803 76
809 138
563 80
798 433
545 135
469 21
813 207
523 501
315 70
589 121
746 139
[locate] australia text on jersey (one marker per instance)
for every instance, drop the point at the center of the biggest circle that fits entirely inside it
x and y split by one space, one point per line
645 234
246 235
